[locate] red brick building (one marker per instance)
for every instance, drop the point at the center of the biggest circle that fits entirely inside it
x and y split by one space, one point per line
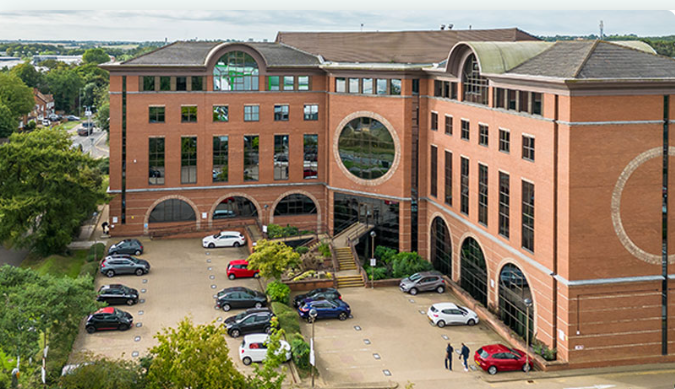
526 171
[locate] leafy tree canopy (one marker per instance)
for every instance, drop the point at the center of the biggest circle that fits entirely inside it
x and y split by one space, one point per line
46 190
8 122
16 95
95 56
64 83
272 258
27 73
103 373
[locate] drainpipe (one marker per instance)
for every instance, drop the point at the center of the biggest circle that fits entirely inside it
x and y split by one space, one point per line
555 222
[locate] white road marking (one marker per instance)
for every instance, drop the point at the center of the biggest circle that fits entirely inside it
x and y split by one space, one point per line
594 387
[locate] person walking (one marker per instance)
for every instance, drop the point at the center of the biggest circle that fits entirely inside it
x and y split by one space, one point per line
448 356
464 354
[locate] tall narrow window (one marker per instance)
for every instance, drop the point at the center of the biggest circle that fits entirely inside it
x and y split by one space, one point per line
181 83
354 85
281 113
340 85
536 103
220 158
475 85
500 98
465 129
188 160
381 87
273 83
281 157
482 194
221 113
197 83
448 178
434 171
464 206
504 140
303 82
448 124
251 157
504 204
511 99
483 137
149 83
188 114
528 216
524 101
395 88
434 121
528 148
289 82
251 113
156 161
311 112
368 86
438 88
310 156
156 114
165 83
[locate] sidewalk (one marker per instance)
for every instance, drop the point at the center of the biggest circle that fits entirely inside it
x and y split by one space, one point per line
92 232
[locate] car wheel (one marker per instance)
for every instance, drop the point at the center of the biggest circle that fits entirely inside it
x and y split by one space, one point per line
236 244
123 327
492 370
234 333
268 330
226 307
440 289
413 291
231 276
256 275
343 316
212 246
139 272
258 305
110 273
440 324
138 252
247 361
526 367
471 322
91 329
130 302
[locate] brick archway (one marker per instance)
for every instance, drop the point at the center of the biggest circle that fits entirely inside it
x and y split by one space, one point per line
301 192
169 197
234 194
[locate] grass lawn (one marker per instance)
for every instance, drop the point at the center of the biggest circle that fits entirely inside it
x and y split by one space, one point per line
67 125
57 265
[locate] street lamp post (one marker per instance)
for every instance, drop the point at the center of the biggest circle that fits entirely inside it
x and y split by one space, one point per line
312 315
372 265
528 304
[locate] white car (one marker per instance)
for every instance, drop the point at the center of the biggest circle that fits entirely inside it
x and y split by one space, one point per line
254 348
442 314
224 239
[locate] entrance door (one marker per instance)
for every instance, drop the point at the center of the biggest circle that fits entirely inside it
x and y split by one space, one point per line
366 213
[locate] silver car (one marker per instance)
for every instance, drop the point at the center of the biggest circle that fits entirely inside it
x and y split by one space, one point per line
423 282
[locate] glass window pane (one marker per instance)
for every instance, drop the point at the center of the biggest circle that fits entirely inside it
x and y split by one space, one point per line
475 85
310 159
368 85
295 204
220 113
188 114
188 160
156 161
311 112
251 113
281 155
395 87
303 83
148 83
381 87
220 158
340 85
354 85
235 71
197 83
273 83
289 83
156 114
366 148
251 157
181 83
165 83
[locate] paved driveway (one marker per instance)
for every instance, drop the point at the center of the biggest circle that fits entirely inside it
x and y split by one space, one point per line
182 281
395 335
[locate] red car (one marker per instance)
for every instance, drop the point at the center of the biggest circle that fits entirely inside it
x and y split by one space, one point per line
497 357
239 269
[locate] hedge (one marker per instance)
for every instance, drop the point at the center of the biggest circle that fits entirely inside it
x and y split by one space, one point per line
96 252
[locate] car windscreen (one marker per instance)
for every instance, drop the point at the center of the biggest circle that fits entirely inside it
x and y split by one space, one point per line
464 311
415 277
240 316
482 353
216 236
514 352
433 309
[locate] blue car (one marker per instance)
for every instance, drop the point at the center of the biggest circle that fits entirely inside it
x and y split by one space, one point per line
326 309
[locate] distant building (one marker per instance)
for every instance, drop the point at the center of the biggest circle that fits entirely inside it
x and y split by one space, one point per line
69 59
44 106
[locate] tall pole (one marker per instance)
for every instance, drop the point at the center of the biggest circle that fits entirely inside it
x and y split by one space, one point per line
313 320
527 338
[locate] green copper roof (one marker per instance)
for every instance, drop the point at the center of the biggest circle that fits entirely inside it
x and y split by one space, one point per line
500 57
638 45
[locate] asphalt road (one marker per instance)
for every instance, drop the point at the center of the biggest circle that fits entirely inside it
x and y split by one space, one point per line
93 144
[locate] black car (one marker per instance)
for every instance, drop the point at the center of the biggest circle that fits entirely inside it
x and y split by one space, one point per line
126 246
316 294
253 321
123 264
109 318
117 294
240 297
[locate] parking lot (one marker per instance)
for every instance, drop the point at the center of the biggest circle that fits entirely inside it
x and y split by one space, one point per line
182 281
391 334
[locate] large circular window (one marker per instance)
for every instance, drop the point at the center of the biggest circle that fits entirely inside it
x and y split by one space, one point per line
366 148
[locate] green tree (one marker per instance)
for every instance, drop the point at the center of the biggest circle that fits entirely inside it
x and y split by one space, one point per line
8 122
27 73
16 95
95 56
46 190
193 356
103 373
64 83
272 258
267 375
103 117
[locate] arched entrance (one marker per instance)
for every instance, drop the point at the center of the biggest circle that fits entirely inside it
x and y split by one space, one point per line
473 276
235 207
441 247
172 210
513 293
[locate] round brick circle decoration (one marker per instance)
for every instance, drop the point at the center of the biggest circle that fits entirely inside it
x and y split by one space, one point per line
654 259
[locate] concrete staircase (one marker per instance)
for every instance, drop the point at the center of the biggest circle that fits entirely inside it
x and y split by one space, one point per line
348 275
345 259
353 281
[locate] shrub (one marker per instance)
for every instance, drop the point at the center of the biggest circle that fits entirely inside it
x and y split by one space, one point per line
274 231
278 291
324 249
304 275
302 250
96 252
384 254
288 318
405 264
380 273
290 231
300 351
89 268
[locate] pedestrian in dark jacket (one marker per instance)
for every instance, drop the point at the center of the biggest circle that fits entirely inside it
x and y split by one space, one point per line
448 356
464 354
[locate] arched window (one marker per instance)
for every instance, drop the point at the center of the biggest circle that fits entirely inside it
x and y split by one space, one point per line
475 85
235 71
513 292
441 247
474 270
234 207
172 210
295 204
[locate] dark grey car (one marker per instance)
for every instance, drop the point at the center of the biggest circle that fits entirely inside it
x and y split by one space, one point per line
423 282
126 246
124 264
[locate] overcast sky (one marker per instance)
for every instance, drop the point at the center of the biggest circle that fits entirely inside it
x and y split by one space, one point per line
242 25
